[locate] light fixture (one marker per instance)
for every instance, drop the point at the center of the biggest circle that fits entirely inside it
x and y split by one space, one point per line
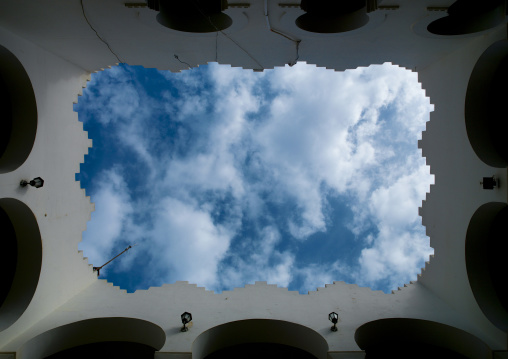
186 318
334 318
489 182
37 182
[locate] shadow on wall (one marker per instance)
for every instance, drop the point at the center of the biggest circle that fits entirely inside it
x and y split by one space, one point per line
260 350
18 111
486 248
416 338
97 338
20 259
332 16
198 16
485 108
257 336
469 16
107 350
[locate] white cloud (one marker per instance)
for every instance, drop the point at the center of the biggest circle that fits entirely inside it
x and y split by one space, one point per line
318 275
349 135
187 242
107 103
112 211
325 130
396 205
401 244
265 262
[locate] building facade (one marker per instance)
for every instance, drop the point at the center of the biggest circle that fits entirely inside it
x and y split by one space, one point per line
51 303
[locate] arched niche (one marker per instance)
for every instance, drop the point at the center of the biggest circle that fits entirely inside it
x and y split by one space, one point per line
486 249
332 16
20 259
107 350
18 110
485 105
469 16
97 336
260 350
260 335
417 338
199 16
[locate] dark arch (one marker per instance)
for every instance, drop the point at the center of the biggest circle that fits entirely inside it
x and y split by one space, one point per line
20 259
469 16
485 100
417 338
107 350
486 249
95 334
332 16
199 16
260 350
18 110
257 333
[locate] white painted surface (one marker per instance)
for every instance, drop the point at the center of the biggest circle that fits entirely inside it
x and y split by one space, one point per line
58 51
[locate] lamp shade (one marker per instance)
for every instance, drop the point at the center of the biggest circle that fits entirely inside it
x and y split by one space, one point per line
333 317
37 182
186 317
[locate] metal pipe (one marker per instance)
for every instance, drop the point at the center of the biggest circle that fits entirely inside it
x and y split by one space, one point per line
98 269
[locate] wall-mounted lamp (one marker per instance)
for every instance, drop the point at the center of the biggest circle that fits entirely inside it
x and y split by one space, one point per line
186 318
334 318
36 182
489 182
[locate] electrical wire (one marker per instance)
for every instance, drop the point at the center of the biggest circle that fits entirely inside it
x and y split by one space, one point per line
96 33
183 62
216 47
289 37
227 36
297 52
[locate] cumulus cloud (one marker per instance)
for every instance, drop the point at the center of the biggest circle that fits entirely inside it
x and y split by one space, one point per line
112 211
265 262
188 241
238 169
401 243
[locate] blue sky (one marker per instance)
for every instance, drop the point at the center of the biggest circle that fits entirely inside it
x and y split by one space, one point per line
298 176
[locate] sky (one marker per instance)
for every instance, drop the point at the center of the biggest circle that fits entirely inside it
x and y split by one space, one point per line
298 176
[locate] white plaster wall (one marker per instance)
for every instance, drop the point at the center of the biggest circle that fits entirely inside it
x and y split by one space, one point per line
60 207
163 306
136 37
457 192
58 49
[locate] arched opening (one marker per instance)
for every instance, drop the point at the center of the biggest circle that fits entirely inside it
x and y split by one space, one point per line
264 337
18 111
8 255
331 16
107 350
260 350
20 259
485 100
96 338
192 16
486 248
417 338
469 16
